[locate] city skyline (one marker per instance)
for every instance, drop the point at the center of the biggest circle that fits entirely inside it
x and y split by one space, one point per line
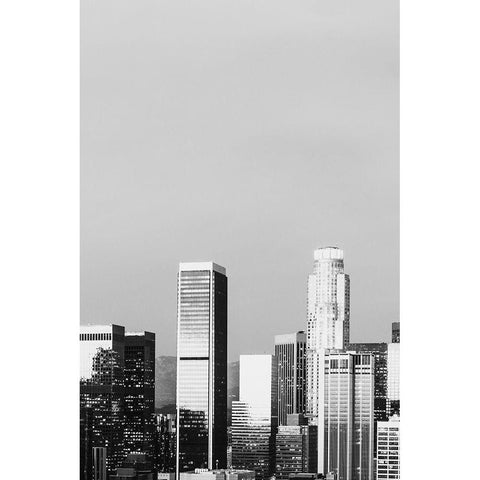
264 131
345 387
300 324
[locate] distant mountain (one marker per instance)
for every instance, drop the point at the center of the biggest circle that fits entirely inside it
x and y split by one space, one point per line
166 383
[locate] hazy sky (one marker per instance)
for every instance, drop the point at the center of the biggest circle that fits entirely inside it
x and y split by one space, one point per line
246 132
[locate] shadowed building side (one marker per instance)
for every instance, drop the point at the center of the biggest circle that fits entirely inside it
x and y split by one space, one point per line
201 367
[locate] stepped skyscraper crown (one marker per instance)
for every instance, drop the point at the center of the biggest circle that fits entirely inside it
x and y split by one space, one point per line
328 315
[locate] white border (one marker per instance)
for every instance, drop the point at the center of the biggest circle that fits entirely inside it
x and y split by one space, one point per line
39 263
440 243
39 120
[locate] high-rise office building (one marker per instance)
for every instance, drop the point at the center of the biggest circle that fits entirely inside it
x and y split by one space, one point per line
139 392
296 447
290 350
346 415
102 421
254 415
393 378
396 332
201 366
388 439
379 350
381 405
165 438
328 316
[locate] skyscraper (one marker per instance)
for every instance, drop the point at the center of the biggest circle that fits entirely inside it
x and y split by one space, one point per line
388 439
379 350
395 332
296 447
290 350
102 419
380 405
328 316
393 378
254 416
201 366
346 416
165 440
139 392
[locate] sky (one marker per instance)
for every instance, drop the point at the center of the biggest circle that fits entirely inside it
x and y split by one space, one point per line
244 132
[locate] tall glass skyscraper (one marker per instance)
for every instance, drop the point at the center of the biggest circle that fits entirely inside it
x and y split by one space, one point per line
381 408
290 350
139 392
254 416
328 316
346 415
201 366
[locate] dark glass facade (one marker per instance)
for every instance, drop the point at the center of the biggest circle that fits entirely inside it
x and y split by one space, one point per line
139 393
165 438
201 367
396 332
102 412
296 448
290 351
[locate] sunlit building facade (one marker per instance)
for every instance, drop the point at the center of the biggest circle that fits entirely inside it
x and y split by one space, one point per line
201 367
102 393
381 404
388 440
328 316
139 377
255 415
290 350
346 416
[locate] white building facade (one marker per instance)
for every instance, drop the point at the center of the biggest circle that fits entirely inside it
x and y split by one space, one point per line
388 446
328 316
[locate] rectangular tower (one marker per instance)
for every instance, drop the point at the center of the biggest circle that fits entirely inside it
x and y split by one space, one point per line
393 378
139 392
296 447
328 315
254 416
388 438
201 366
381 408
290 350
102 394
346 416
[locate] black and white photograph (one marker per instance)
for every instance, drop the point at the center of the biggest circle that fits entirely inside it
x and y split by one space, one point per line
239 240
220 214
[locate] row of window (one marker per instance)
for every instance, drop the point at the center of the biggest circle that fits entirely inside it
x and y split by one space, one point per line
95 336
